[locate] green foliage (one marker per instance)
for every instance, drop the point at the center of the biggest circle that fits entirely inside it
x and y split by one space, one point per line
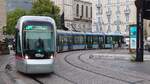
12 18
39 8
46 8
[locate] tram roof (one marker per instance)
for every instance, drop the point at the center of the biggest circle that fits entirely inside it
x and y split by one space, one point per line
114 34
36 18
78 33
69 32
93 33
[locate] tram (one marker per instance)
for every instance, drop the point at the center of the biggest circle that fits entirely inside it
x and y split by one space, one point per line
69 40
113 40
35 44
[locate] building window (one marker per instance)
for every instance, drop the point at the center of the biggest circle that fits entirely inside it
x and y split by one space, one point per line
77 10
82 11
86 11
91 12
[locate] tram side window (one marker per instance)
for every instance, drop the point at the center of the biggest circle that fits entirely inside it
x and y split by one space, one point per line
89 39
78 39
81 39
60 39
18 50
65 39
100 39
95 39
109 40
69 40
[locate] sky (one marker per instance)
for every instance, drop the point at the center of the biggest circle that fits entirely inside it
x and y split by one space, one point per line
13 4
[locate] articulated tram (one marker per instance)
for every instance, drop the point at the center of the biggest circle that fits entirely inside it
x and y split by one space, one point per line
35 44
69 40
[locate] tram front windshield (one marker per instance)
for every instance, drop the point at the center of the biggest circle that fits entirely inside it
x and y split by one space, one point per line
38 37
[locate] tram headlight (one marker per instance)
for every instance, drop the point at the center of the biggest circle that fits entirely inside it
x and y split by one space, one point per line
26 57
51 56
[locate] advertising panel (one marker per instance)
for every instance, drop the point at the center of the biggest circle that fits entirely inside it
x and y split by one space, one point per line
133 32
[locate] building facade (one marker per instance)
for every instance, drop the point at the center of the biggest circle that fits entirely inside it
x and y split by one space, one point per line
146 29
113 16
2 18
77 14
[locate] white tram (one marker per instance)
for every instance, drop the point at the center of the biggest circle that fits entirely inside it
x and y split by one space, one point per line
35 44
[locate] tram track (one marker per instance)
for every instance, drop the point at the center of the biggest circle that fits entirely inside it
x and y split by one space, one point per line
36 80
78 55
98 67
96 73
64 78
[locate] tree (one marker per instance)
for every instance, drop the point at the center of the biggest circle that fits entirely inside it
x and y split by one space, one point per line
12 18
39 8
46 8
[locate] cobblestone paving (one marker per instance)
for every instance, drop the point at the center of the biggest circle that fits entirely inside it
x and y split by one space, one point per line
4 78
98 71
88 67
79 73
117 68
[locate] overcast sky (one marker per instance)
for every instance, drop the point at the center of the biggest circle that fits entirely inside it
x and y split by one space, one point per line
13 4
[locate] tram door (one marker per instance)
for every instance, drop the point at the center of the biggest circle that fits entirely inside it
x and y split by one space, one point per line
101 42
89 41
109 42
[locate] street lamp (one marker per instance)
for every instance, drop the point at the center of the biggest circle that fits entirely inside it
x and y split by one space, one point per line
140 42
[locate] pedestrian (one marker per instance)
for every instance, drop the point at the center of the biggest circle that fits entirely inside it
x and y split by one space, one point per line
119 44
113 44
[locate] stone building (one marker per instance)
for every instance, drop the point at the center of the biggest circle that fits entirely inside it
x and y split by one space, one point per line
113 16
77 14
2 18
146 29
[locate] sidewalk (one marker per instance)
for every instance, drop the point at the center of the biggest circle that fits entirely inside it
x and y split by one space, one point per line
119 66
4 77
124 62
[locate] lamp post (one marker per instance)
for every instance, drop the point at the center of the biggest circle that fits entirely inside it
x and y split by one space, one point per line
140 42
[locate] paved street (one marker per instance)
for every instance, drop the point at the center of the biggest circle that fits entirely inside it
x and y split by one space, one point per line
83 67
4 77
